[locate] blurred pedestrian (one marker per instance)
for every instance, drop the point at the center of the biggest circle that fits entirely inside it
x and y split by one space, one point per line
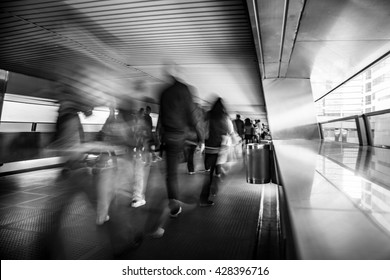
249 131
177 117
239 126
220 128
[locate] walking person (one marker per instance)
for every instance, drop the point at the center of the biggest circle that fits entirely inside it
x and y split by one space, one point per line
239 126
220 128
249 131
177 117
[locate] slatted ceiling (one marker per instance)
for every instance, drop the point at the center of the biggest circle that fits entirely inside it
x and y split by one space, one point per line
167 14
174 32
167 32
159 22
102 13
156 5
149 7
238 52
150 26
215 35
185 44
24 36
15 25
131 40
22 5
132 23
200 53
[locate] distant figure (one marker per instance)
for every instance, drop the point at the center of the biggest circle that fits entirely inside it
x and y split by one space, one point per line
265 133
249 131
258 130
239 126
177 117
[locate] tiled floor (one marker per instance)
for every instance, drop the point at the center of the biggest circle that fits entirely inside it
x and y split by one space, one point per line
30 204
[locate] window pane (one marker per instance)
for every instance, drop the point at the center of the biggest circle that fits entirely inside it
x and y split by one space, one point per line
18 108
367 92
380 129
343 131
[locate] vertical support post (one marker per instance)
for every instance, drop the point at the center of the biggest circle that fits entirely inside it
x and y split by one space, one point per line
361 131
320 131
34 126
3 88
368 130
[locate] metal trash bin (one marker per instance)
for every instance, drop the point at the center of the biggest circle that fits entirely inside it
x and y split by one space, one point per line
257 162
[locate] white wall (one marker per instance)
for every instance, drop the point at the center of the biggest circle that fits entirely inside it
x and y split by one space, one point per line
291 110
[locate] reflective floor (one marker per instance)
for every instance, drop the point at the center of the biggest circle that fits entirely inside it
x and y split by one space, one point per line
337 194
338 199
31 202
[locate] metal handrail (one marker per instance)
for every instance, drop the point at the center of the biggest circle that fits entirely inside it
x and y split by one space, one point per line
341 119
354 75
366 130
376 113
370 114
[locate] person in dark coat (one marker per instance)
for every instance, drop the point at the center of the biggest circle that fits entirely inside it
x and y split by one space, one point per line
239 126
177 120
219 128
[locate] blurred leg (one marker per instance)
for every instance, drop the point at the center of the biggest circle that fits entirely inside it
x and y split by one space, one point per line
190 158
173 150
212 159
142 170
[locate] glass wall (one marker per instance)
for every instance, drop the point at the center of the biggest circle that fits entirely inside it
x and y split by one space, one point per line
380 130
342 131
367 92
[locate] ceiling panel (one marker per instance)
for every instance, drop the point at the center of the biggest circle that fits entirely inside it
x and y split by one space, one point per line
324 41
337 39
130 41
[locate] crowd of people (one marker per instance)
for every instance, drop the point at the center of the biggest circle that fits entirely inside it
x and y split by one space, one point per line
128 144
251 131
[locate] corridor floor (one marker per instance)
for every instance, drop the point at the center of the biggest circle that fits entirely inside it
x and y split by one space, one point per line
29 202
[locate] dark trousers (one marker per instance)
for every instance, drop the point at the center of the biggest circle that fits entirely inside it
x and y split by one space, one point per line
211 159
190 150
174 150
207 162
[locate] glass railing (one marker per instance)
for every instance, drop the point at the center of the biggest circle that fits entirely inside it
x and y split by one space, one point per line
379 123
373 199
341 130
372 128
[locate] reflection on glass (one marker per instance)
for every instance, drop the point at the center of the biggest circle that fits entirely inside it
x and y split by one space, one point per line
380 129
367 92
342 131
369 197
